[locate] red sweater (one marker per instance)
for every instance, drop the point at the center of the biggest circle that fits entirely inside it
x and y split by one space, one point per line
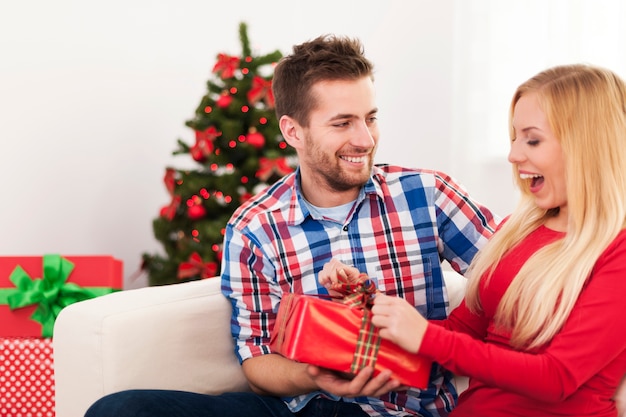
576 374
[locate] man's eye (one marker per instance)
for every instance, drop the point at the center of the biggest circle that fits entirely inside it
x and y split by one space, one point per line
342 124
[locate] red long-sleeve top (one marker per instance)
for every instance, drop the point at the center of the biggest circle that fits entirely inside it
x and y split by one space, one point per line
576 374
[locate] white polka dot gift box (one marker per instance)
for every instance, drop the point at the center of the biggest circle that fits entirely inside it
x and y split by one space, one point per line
33 291
26 377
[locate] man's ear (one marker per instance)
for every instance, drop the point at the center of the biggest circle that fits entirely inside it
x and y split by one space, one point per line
291 130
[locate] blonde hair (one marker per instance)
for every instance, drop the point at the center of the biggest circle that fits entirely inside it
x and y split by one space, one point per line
586 110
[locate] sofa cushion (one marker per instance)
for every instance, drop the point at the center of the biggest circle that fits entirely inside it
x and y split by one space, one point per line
169 337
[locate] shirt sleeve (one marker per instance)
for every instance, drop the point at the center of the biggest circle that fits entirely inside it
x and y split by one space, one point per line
463 224
462 320
248 281
567 362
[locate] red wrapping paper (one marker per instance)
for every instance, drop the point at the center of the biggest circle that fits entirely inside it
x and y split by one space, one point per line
89 271
26 377
324 333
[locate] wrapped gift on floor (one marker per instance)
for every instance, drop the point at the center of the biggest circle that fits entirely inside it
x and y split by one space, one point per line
26 377
340 336
34 289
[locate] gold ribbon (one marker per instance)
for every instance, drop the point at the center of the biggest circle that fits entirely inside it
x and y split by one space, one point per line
360 295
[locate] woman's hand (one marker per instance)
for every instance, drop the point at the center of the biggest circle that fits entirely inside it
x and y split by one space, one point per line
399 322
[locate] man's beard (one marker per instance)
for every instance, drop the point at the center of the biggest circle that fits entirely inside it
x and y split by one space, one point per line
327 169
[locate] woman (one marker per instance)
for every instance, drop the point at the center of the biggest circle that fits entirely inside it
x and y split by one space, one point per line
542 330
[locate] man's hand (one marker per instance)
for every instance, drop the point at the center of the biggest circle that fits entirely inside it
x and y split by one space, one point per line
361 385
335 272
275 375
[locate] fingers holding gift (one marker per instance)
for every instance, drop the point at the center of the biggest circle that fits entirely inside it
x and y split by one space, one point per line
361 384
399 322
336 272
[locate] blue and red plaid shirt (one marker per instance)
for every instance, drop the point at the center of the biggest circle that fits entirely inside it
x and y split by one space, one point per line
402 225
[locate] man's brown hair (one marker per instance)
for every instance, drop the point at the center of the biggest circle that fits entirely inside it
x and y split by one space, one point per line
325 58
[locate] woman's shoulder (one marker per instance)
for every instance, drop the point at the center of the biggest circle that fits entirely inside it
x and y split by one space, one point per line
618 244
614 256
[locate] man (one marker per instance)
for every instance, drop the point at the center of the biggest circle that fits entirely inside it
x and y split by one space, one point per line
395 224
392 223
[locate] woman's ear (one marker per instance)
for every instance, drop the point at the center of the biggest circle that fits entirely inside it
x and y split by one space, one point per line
291 130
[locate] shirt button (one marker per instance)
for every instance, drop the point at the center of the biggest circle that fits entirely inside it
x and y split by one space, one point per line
345 228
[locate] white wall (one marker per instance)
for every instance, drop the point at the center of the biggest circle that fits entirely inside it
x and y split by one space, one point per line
93 96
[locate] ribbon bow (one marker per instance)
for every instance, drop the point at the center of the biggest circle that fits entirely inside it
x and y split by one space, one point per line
209 134
51 293
169 211
358 294
361 295
269 166
261 88
227 65
204 146
196 266
169 179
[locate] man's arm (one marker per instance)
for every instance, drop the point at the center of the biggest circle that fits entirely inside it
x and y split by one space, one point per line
464 224
250 291
275 375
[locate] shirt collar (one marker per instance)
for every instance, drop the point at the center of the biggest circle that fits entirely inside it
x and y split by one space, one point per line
298 211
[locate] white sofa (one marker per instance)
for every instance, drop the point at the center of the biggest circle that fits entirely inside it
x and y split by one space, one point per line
170 337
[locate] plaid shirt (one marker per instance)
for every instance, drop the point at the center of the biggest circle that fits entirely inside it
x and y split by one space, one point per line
403 223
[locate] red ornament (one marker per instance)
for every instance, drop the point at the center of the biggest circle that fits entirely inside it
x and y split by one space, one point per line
245 197
169 211
197 154
255 139
169 179
224 100
196 212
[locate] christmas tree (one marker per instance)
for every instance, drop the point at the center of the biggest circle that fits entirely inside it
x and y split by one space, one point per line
239 150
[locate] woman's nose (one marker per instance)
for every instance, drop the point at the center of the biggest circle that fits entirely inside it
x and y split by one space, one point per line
515 154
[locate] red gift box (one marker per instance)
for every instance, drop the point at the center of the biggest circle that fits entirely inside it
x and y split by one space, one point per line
326 333
93 275
26 377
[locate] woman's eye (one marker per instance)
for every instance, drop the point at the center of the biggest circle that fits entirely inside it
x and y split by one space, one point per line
533 142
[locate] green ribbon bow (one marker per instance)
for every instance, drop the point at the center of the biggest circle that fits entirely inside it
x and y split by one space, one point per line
51 293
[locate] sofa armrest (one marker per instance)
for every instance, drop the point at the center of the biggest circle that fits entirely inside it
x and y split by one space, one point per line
455 288
169 337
